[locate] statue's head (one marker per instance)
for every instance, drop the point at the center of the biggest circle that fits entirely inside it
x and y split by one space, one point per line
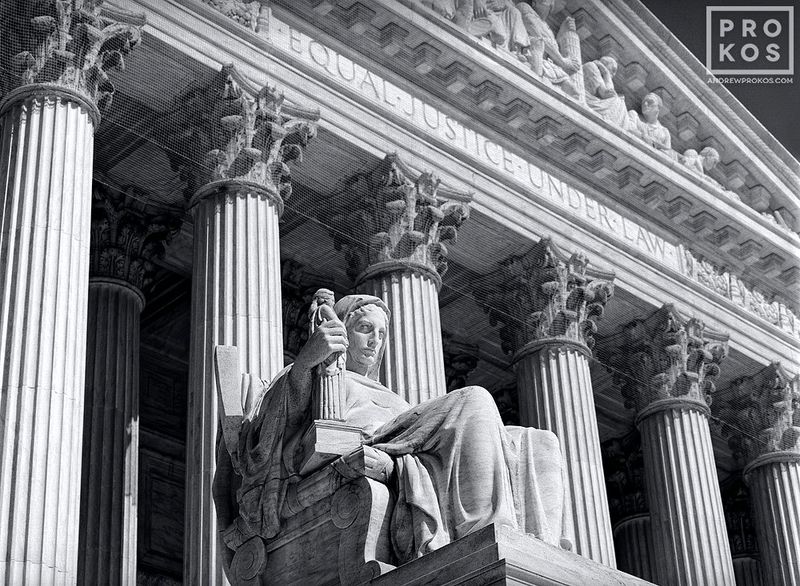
610 63
710 158
543 7
651 107
367 321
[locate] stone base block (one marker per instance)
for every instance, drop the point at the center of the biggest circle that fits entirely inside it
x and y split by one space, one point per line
498 555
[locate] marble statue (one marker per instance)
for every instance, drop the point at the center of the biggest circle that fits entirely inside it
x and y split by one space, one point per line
556 58
648 128
702 162
498 20
457 468
598 84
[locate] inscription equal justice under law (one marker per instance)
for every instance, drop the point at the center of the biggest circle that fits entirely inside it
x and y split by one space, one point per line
435 122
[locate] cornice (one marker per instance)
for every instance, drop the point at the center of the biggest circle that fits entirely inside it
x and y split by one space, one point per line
215 34
540 123
714 96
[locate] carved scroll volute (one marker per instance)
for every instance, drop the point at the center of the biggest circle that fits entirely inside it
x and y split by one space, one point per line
667 356
70 44
399 218
760 414
545 295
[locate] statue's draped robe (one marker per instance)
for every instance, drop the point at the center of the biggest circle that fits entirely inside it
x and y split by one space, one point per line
457 467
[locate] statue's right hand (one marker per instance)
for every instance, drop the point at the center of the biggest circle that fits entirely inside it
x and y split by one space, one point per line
329 338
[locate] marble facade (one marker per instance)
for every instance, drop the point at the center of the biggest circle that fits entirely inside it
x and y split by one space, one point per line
547 195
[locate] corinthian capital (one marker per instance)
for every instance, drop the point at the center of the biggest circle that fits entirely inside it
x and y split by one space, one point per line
241 133
761 413
546 295
399 218
127 237
667 356
69 44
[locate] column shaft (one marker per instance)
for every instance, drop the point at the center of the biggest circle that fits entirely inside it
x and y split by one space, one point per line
688 525
747 571
111 435
775 490
555 393
236 300
634 547
46 174
413 365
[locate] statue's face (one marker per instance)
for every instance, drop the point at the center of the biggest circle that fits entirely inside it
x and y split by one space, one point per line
650 107
710 159
366 334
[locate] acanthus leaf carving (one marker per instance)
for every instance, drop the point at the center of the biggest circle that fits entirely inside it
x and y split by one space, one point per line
127 237
667 356
760 414
71 44
546 295
398 217
230 129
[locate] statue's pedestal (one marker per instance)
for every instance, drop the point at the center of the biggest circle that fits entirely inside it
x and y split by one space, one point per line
499 555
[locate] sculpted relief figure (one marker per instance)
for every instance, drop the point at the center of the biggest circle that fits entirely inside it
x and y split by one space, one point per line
648 128
457 468
497 20
557 59
598 83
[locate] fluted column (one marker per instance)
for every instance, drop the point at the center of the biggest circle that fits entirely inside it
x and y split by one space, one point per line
668 364
236 281
413 363
548 303
395 249
52 65
763 422
741 531
124 241
627 500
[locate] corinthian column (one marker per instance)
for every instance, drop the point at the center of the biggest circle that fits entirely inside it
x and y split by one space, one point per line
53 63
667 367
548 304
395 240
762 418
124 241
624 471
236 278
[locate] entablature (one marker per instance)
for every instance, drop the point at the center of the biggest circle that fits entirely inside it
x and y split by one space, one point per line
499 168
484 89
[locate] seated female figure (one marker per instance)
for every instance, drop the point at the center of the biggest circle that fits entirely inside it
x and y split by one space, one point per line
457 468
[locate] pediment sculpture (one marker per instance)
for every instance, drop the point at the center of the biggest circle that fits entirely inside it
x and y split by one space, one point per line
445 468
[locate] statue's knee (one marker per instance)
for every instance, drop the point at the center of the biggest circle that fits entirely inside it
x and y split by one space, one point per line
479 397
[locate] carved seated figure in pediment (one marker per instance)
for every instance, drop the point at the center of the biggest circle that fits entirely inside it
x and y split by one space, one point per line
434 472
557 58
601 96
703 162
499 21
648 128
